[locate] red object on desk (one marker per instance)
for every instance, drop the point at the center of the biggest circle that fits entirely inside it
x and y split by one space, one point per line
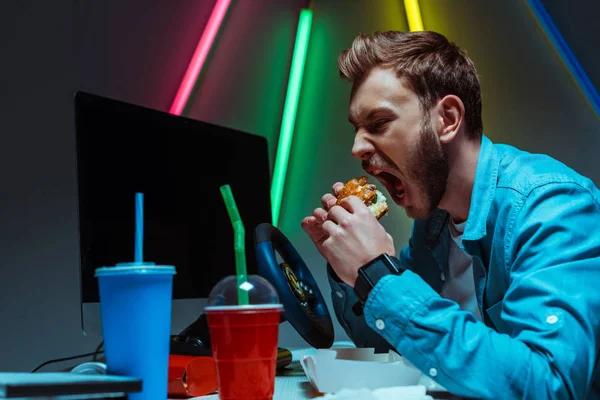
244 346
191 376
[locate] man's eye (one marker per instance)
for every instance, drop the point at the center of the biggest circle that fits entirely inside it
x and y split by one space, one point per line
379 125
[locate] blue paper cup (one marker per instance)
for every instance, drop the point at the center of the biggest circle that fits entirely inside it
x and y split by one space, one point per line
135 304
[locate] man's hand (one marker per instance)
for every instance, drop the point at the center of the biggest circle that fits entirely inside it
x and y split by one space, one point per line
347 235
313 225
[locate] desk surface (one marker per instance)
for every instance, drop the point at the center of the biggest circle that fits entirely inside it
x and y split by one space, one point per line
292 384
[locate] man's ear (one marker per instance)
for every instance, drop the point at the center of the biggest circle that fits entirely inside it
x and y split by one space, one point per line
449 115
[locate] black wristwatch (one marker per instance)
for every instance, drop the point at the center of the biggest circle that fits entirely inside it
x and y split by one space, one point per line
370 273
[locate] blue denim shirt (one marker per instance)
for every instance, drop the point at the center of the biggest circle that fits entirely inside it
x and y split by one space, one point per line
533 232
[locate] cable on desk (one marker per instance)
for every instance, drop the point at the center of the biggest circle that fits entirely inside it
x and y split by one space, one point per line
98 350
94 355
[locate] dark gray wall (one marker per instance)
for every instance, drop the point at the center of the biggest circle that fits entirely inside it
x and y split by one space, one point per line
137 51
39 297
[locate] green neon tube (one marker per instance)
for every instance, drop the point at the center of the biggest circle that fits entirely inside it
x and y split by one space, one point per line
289 112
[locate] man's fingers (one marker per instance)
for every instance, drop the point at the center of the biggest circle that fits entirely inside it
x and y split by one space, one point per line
353 204
328 201
313 228
338 215
336 188
320 215
330 227
306 222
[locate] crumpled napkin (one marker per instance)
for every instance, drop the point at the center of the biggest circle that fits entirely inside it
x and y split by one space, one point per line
417 392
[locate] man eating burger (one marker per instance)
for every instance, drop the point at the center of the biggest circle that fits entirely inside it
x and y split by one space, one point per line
496 293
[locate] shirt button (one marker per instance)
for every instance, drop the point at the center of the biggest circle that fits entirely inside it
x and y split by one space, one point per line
380 324
433 372
339 294
552 319
443 277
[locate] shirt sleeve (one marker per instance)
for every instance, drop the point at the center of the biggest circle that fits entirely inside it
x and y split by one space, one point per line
550 312
343 299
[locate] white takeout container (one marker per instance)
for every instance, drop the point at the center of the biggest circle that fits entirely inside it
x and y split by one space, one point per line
331 370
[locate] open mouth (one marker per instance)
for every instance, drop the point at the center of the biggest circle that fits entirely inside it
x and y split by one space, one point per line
392 183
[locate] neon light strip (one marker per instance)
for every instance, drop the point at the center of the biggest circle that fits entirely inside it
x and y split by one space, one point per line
202 49
289 112
565 53
413 14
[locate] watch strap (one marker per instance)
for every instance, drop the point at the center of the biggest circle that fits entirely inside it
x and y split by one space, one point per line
370 273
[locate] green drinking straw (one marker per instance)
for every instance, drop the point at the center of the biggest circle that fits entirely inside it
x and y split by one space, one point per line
238 242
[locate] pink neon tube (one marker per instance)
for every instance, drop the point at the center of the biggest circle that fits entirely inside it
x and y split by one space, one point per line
202 49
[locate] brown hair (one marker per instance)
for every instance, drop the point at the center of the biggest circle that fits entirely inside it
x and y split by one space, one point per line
432 66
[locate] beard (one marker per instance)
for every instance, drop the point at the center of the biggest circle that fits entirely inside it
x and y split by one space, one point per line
428 168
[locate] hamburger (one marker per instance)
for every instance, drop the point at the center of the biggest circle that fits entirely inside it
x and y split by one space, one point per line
367 192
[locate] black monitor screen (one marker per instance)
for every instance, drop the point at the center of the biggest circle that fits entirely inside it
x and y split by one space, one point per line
179 164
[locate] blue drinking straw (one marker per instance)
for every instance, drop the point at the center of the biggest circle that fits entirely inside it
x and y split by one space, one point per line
139 228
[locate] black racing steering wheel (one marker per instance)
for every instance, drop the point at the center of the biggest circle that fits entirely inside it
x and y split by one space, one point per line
304 305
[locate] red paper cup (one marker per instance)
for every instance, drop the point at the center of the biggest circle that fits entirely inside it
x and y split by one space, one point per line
244 346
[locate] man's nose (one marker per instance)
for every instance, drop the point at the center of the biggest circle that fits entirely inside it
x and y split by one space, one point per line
362 149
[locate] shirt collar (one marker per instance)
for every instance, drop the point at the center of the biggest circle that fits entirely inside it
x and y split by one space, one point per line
484 189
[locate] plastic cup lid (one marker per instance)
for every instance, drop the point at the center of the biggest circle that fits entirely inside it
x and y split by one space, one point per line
133 268
252 293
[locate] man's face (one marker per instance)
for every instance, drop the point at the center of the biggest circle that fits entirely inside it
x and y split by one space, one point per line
396 142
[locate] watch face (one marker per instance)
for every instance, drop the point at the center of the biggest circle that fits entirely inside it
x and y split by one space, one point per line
293 282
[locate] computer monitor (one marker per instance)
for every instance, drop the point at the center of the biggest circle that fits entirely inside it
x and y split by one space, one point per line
179 164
